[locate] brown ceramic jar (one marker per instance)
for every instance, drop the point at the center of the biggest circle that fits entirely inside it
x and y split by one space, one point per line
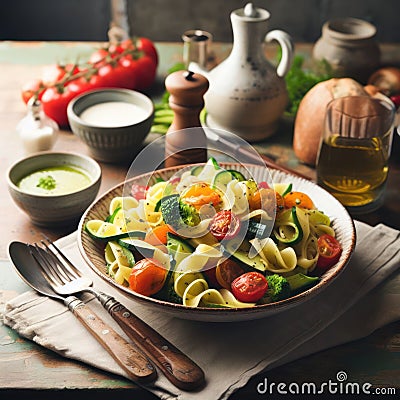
349 45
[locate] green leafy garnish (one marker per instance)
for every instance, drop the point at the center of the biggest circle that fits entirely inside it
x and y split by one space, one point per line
163 115
299 81
47 183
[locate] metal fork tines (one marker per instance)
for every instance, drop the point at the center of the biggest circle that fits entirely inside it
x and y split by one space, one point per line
59 271
65 278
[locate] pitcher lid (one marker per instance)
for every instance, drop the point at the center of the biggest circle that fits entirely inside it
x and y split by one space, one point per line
251 13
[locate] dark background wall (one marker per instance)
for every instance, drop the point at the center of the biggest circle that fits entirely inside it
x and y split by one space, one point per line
165 20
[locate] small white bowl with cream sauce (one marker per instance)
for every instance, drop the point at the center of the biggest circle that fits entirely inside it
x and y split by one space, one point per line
113 123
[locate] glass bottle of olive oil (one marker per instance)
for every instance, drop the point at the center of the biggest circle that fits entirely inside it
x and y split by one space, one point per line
354 170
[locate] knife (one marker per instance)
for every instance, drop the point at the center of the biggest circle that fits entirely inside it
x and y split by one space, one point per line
242 149
136 365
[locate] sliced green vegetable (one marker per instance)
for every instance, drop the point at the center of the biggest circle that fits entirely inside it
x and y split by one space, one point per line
176 243
106 231
317 217
289 230
221 180
301 282
177 213
157 206
283 188
242 256
237 175
111 217
195 171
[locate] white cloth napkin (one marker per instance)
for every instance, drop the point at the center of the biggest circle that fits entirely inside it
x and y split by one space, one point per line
226 351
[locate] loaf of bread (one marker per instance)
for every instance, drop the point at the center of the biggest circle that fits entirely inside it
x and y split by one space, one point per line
311 113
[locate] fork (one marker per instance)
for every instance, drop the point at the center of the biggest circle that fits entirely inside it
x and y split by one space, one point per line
65 279
132 361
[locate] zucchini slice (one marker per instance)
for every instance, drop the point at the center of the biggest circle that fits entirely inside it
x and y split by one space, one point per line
237 175
282 188
106 231
301 282
221 180
289 230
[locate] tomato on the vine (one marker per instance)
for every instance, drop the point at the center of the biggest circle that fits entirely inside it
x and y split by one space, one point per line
30 88
55 101
131 64
224 225
249 287
329 251
147 277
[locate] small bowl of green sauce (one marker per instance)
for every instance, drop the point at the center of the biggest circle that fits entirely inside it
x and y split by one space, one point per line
54 188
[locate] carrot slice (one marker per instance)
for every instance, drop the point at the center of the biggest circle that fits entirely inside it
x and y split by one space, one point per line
158 235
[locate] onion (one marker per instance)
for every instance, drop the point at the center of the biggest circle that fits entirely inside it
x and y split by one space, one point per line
387 80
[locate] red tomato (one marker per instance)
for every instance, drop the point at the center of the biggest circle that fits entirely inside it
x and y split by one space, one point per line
138 192
226 272
131 65
98 56
224 225
211 278
144 70
147 277
263 185
55 102
52 74
329 250
249 287
148 48
396 100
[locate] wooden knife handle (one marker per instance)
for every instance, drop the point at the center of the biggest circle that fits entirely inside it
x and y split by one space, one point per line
136 365
177 367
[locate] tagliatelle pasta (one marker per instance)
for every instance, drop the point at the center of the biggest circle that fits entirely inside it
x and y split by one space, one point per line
209 227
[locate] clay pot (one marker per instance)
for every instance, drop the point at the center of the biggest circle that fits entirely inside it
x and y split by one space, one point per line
349 45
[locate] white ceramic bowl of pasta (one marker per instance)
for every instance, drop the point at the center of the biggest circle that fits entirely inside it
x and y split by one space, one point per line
93 251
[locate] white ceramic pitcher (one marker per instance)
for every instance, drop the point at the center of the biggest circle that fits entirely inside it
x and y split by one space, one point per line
247 94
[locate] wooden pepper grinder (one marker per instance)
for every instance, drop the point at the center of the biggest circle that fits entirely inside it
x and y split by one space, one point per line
186 146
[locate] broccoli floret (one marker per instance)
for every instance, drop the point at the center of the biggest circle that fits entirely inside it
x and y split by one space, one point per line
167 293
172 296
189 214
176 213
278 289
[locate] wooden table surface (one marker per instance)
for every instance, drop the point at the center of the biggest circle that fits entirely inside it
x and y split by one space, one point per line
25 366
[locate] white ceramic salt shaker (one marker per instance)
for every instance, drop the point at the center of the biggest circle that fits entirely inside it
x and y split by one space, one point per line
37 131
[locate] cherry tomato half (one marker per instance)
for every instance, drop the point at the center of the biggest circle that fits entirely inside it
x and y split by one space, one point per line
249 287
329 250
147 277
211 277
298 199
226 272
224 225
138 192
